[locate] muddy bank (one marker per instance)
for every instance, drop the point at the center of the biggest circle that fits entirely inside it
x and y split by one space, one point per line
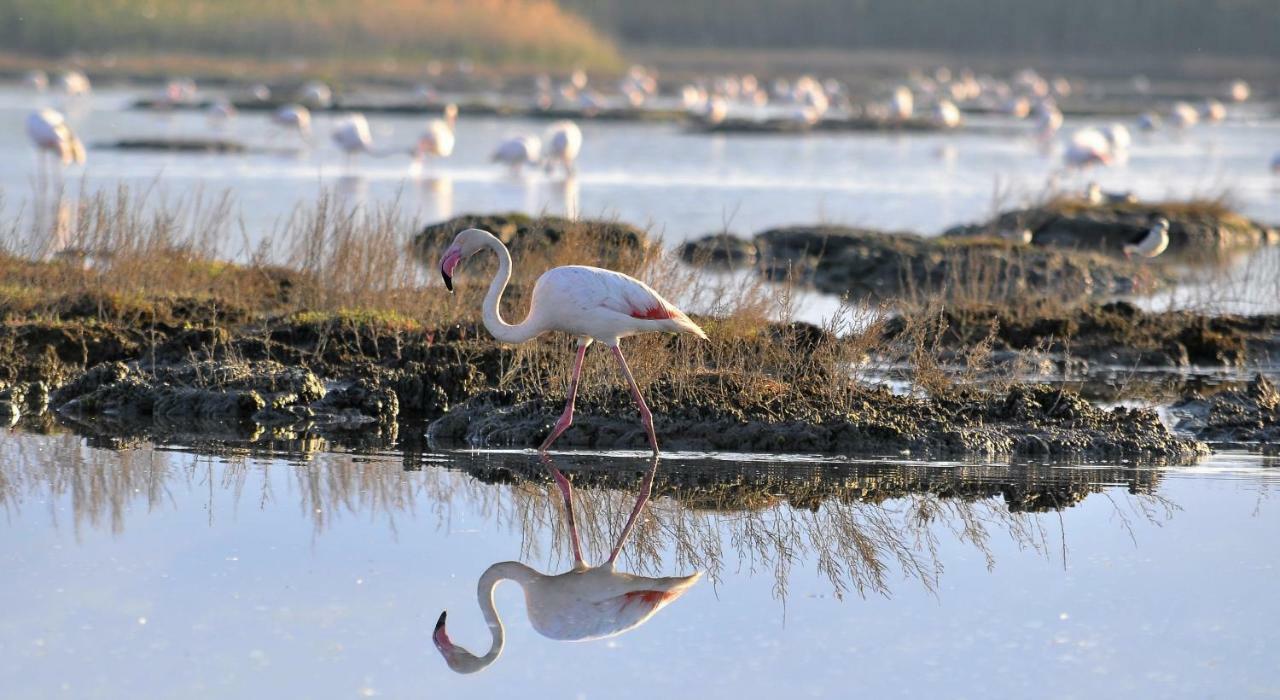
1026 421
736 125
523 234
181 145
1247 416
1111 334
1195 228
867 263
518 110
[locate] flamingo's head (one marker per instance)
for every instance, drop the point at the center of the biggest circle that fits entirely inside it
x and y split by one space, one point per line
459 660
467 243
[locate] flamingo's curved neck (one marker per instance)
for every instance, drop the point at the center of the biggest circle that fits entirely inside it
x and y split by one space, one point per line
500 329
489 580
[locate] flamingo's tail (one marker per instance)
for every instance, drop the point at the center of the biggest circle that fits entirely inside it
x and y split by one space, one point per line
683 324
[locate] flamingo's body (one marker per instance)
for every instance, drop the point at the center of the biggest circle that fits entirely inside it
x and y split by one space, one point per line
1088 147
563 143
1275 163
579 605
316 94
222 110
75 83
518 151
946 114
37 80
351 134
1183 115
1149 121
1238 91
1212 111
902 104
438 140
295 117
714 110
1048 120
588 303
50 133
1151 243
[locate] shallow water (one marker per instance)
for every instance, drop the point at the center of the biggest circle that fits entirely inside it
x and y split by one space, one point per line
658 175
159 572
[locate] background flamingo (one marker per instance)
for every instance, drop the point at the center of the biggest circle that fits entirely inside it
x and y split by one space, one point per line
439 138
50 133
581 604
564 142
295 117
586 302
518 151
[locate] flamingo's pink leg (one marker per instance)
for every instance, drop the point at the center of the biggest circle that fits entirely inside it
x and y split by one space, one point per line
566 418
646 417
566 490
646 488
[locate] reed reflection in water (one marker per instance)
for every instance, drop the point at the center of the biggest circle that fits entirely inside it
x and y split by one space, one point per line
862 527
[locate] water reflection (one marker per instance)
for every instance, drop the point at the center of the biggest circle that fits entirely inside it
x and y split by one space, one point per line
860 526
581 604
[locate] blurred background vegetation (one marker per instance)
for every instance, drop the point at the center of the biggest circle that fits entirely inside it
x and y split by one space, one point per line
546 34
535 32
974 27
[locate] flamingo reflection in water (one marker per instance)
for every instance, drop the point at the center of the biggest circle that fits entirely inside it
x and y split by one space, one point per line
581 604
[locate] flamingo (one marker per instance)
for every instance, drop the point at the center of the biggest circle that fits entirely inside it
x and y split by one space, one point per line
714 110
1048 120
564 141
1149 121
1088 147
221 110
49 132
316 94
439 138
351 134
582 604
946 114
902 104
75 83
1151 243
1183 115
586 302
1275 163
37 80
294 117
1238 91
517 152
1212 111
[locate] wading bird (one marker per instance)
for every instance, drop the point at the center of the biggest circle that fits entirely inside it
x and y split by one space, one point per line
438 140
294 117
564 141
581 604
49 132
1151 243
517 152
588 303
1088 147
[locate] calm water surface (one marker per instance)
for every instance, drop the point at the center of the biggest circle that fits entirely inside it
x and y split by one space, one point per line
159 572
657 175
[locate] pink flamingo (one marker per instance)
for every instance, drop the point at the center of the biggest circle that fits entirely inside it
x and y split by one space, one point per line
586 302
579 605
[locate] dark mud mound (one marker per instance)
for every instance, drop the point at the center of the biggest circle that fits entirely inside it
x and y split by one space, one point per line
1027 421
1116 333
1246 416
862 262
524 234
719 250
1198 231
177 145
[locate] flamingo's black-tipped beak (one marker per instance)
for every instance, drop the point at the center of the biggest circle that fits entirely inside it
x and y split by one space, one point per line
440 622
447 265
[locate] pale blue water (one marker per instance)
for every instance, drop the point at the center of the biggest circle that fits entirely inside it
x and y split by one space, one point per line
166 574
679 184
